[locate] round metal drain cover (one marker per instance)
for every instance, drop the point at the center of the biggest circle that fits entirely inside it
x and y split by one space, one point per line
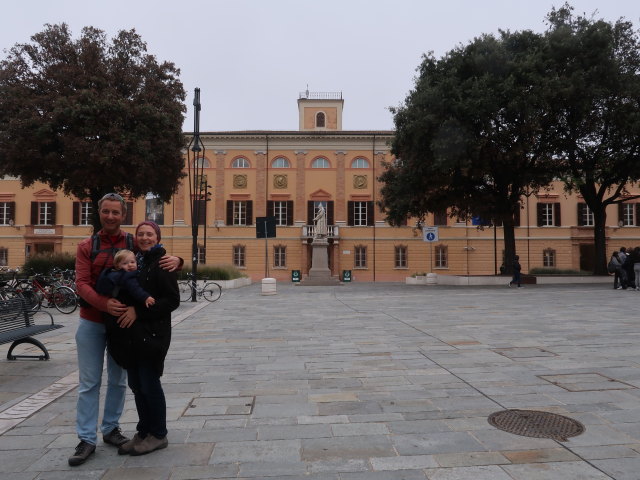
532 423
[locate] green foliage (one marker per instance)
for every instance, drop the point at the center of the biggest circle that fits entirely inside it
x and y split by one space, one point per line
594 94
556 271
471 135
91 116
44 262
213 272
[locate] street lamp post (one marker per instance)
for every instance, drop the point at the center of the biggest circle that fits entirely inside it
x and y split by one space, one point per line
197 187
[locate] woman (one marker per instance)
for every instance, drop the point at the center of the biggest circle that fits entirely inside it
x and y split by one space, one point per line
150 336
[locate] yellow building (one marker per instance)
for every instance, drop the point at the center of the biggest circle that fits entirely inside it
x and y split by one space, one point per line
288 175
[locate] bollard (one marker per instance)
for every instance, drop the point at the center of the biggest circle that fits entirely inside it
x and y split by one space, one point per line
269 286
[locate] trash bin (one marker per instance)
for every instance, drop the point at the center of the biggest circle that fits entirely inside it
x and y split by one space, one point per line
295 276
346 276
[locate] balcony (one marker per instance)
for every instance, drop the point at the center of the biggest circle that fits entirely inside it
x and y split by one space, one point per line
307 95
308 231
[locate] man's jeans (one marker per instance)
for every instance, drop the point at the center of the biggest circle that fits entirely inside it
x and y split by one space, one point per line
91 343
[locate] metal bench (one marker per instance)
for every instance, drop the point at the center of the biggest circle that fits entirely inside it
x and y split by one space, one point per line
17 325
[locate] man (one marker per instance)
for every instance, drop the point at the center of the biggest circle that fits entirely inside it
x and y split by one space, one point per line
91 339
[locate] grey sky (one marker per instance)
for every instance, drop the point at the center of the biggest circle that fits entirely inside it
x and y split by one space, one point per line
251 58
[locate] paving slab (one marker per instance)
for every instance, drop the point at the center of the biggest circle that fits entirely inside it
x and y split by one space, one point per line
361 381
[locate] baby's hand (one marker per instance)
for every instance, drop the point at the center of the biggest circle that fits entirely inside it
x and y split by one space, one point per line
149 301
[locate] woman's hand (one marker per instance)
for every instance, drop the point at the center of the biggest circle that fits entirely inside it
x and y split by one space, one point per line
127 318
170 263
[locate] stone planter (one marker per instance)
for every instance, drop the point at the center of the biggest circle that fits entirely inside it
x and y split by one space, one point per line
419 280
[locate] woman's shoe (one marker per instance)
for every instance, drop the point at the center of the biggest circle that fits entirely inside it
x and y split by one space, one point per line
149 444
127 448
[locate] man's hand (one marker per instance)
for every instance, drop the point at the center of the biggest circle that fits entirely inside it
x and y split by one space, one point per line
127 318
115 308
170 263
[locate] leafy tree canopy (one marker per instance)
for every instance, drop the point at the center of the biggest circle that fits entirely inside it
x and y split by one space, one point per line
471 134
594 94
91 115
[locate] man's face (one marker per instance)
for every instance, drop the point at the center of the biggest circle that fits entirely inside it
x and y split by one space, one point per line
111 216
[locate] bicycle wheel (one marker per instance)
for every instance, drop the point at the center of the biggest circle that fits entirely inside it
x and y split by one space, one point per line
64 299
185 291
32 297
212 291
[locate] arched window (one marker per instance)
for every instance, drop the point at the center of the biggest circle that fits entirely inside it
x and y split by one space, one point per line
320 162
280 162
202 162
320 120
360 163
240 162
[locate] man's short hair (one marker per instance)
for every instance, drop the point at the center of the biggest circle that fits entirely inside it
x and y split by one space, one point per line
114 197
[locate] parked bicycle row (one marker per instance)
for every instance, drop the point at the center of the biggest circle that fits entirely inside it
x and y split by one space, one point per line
58 288
55 289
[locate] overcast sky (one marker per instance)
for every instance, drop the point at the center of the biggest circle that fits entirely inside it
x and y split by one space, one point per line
251 58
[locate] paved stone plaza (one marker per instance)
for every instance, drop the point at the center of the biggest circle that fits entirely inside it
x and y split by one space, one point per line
360 382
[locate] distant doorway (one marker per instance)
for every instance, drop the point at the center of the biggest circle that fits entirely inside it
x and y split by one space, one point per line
41 248
587 257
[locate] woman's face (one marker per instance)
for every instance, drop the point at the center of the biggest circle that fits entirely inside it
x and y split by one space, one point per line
146 237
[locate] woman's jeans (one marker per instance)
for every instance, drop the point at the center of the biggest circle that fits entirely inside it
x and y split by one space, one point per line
91 343
144 381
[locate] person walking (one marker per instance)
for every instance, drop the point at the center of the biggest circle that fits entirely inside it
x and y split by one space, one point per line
516 272
150 338
91 333
615 266
634 258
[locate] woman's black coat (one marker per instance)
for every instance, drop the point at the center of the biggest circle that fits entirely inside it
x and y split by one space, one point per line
149 337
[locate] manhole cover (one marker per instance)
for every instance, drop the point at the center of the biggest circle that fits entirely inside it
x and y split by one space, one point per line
532 423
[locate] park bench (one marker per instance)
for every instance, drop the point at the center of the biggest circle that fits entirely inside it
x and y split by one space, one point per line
17 325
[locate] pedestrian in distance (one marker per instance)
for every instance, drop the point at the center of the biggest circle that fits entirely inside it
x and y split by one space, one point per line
615 266
517 268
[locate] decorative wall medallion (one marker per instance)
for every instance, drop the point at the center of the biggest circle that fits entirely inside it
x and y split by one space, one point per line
359 181
239 181
280 181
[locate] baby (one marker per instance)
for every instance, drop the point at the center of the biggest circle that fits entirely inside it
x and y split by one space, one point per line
123 279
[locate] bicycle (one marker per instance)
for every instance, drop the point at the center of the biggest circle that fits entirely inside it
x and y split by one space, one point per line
211 291
13 286
39 288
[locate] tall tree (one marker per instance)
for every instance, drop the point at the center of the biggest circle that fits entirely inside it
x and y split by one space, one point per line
594 89
471 134
91 116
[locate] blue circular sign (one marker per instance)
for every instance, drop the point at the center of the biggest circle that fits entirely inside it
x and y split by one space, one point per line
431 236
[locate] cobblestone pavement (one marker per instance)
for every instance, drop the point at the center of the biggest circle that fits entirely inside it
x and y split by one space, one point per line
360 381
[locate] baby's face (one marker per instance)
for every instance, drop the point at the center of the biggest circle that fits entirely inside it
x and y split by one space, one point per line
128 264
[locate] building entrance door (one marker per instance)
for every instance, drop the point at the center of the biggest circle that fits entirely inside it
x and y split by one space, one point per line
587 257
43 248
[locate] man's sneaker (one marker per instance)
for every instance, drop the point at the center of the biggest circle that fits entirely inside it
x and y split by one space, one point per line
127 448
83 450
149 444
509 284
115 438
